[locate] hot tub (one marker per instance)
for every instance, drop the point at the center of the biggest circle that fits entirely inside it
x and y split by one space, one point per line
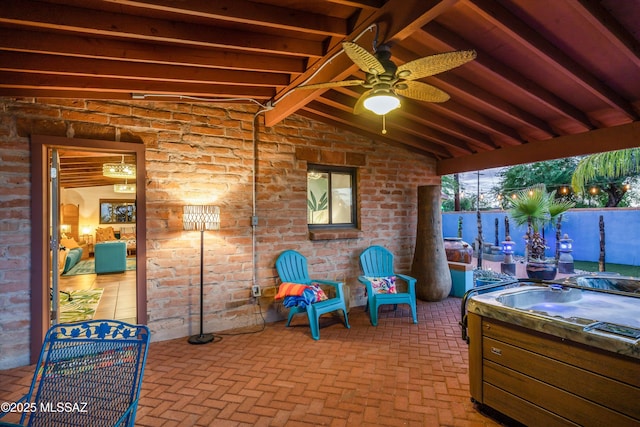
557 353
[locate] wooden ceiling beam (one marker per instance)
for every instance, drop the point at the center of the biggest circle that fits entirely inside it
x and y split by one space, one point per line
248 12
368 5
438 37
416 112
84 67
478 139
595 141
12 39
609 27
95 84
474 96
365 125
532 41
395 120
361 132
37 15
476 120
405 13
64 93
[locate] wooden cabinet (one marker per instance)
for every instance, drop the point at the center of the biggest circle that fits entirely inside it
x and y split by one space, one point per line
541 379
70 215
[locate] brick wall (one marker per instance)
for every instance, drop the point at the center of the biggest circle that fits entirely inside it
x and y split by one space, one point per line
204 153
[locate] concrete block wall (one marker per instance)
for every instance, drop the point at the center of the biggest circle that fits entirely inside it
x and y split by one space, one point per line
204 153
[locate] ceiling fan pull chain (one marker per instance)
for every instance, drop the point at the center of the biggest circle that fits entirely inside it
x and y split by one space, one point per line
384 124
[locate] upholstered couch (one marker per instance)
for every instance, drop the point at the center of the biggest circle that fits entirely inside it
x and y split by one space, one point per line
111 257
126 234
71 252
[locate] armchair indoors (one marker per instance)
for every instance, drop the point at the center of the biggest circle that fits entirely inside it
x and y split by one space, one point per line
376 263
93 369
292 270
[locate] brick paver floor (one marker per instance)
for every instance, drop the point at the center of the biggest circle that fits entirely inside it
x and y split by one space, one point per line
395 374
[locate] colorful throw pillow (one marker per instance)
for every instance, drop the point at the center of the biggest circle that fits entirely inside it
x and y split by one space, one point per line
383 285
320 295
287 289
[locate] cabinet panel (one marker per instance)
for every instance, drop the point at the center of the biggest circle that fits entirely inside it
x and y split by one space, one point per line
621 368
552 399
605 391
521 410
70 215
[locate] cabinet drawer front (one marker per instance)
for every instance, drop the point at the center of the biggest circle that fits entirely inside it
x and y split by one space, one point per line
621 368
550 398
521 410
613 394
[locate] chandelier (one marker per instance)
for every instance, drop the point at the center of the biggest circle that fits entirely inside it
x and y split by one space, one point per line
124 188
119 170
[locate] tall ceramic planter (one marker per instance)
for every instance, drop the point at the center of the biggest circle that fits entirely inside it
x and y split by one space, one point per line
430 267
458 250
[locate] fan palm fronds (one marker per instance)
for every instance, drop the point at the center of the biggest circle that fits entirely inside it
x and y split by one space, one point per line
612 165
531 204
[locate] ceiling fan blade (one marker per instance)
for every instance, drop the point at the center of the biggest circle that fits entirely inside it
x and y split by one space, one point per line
422 92
359 107
363 59
434 64
332 84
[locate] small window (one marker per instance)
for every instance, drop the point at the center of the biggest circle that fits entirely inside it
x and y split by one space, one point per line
331 196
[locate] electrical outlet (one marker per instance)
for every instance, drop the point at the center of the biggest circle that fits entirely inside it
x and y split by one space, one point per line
255 291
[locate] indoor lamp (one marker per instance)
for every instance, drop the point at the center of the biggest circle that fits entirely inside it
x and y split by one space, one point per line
201 218
124 188
119 170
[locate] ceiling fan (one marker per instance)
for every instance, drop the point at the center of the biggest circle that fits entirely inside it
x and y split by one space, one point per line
385 81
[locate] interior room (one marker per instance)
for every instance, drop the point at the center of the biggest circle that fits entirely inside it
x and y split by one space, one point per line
96 208
277 139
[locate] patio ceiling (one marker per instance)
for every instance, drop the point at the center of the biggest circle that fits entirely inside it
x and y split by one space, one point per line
551 79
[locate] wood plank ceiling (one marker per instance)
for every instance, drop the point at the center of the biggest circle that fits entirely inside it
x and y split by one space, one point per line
552 78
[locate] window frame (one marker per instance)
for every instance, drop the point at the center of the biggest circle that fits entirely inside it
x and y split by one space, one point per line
353 173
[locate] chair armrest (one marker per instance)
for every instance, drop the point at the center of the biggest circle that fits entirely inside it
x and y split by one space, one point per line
411 282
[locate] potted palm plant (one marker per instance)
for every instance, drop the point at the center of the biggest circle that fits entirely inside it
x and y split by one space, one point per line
538 208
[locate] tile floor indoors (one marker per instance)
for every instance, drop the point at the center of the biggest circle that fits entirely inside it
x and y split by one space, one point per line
118 300
396 374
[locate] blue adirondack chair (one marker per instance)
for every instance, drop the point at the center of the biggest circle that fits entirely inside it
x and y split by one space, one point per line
88 374
292 268
377 262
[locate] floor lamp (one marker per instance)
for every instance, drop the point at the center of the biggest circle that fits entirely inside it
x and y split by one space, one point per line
201 218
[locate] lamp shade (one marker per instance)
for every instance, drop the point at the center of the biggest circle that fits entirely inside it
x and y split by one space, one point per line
124 188
119 170
381 104
201 217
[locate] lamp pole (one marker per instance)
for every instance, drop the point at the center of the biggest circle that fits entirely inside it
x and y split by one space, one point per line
201 217
202 338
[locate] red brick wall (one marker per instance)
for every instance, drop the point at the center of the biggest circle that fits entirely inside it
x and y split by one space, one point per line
204 153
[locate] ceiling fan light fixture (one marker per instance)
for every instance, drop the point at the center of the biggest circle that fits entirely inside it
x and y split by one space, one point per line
381 104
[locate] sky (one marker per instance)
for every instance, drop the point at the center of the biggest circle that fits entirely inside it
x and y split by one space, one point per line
488 179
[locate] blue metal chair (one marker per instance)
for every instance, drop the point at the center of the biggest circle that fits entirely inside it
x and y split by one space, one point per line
292 268
88 374
377 262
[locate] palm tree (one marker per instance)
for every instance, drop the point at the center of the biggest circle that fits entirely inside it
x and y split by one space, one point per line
536 207
609 165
